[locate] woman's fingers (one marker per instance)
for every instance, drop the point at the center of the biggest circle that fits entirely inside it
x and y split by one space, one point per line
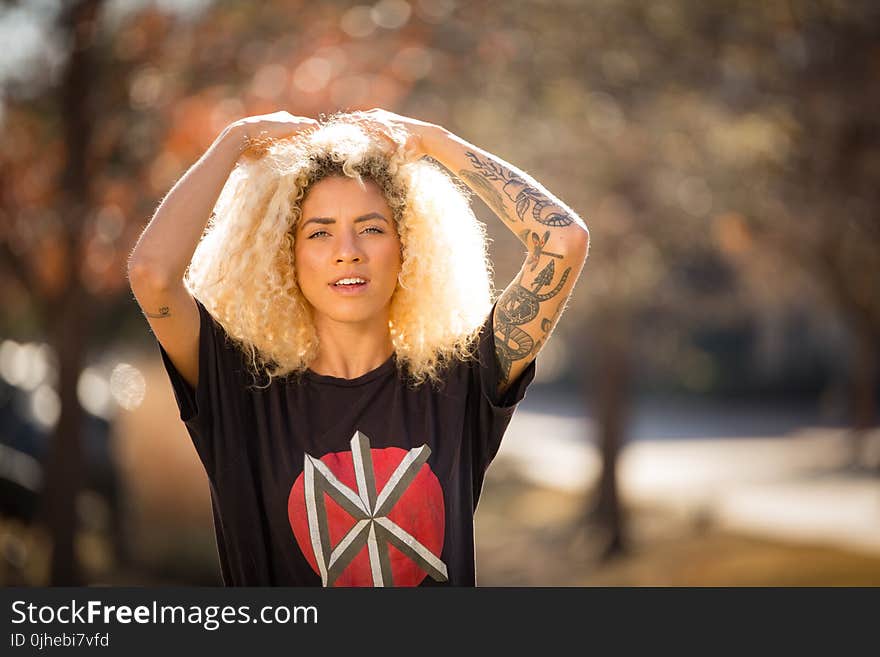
394 135
403 131
261 131
276 125
399 133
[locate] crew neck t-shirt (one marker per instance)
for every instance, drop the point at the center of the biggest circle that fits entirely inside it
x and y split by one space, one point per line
318 480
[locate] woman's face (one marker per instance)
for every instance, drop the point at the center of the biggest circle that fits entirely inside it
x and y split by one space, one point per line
347 232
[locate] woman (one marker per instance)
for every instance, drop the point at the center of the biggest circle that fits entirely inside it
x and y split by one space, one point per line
332 342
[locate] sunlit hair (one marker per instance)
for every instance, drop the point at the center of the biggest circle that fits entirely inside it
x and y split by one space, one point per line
244 272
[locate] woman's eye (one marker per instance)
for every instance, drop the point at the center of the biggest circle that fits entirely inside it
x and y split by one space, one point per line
324 232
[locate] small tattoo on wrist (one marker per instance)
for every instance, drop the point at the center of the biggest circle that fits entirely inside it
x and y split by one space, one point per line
164 311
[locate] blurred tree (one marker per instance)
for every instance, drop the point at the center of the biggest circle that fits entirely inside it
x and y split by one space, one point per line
816 118
711 142
52 270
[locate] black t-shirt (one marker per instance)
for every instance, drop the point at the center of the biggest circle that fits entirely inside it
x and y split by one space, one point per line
344 482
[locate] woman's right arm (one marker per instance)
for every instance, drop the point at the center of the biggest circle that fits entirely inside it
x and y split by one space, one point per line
163 252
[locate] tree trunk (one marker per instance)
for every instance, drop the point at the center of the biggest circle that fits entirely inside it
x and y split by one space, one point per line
864 390
68 310
65 467
613 392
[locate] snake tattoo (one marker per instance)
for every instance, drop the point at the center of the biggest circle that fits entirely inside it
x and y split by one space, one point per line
517 306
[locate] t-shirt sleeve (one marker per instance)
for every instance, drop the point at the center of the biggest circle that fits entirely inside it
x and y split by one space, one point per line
217 397
494 412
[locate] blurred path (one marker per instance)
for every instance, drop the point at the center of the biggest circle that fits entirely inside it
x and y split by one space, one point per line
783 481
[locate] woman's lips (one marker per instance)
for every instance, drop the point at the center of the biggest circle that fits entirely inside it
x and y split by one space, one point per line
350 290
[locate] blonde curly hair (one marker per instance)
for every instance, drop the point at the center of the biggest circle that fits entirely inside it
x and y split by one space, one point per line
243 269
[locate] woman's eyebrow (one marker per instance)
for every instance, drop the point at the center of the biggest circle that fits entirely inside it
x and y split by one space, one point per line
331 220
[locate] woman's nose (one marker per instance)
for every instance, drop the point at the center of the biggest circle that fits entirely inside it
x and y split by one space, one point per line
348 249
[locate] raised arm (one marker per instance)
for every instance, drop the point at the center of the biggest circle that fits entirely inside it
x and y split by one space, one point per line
557 241
556 238
157 264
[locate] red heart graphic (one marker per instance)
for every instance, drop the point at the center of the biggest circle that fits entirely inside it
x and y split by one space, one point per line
418 512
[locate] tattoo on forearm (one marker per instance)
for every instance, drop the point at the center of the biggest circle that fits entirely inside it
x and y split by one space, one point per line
538 250
523 195
517 306
547 324
164 311
489 194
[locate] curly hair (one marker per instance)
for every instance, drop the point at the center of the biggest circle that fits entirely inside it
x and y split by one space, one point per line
244 271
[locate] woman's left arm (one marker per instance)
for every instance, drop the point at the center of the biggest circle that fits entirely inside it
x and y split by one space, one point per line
556 238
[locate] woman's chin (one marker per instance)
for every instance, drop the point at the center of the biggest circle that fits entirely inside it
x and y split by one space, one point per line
350 311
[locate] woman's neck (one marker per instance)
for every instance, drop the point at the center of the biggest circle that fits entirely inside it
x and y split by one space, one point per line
348 350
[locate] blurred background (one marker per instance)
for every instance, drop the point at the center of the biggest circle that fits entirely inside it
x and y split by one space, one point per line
706 412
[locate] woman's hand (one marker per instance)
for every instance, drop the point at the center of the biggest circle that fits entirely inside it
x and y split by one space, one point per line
401 132
258 132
